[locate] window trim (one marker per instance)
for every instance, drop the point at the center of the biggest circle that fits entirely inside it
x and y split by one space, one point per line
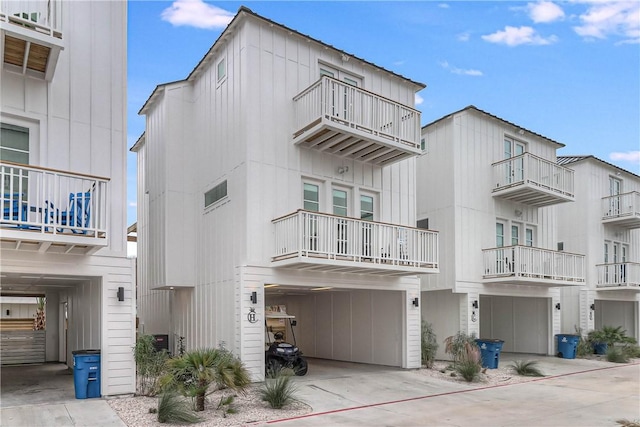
319 187
219 200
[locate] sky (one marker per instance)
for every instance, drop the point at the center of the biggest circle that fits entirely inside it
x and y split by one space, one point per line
567 70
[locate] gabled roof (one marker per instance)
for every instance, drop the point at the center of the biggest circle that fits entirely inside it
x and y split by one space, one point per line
240 15
476 109
567 160
135 147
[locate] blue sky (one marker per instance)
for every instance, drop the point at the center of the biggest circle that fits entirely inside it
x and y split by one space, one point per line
567 70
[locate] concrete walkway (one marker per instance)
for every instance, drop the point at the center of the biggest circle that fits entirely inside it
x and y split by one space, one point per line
90 412
574 393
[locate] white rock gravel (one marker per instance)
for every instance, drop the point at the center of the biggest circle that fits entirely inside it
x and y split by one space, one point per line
503 374
134 411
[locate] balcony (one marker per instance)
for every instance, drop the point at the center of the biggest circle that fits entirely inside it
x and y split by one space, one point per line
619 276
526 265
622 210
314 241
31 34
533 180
47 210
334 117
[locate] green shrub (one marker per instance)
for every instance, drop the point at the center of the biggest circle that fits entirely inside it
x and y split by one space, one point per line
429 344
279 391
173 409
226 405
631 350
610 335
616 355
527 368
468 369
584 347
458 346
150 365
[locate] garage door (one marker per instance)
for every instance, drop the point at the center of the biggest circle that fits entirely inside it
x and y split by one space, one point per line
616 313
523 323
350 325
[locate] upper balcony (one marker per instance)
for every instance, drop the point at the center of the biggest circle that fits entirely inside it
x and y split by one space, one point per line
619 276
48 210
533 180
322 242
31 36
526 265
347 121
622 210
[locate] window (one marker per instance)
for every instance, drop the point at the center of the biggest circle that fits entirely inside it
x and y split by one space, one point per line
515 235
339 202
499 234
221 70
14 147
215 194
366 207
528 237
423 144
311 197
515 168
423 224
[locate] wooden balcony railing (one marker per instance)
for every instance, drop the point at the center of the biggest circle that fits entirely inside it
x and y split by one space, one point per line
358 109
52 201
534 171
317 235
621 274
621 205
44 17
533 263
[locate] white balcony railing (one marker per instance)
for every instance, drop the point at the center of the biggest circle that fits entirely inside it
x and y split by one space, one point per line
621 205
621 274
535 171
311 234
42 16
358 109
52 202
533 263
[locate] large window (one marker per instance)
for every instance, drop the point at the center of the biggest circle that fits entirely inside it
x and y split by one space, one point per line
217 193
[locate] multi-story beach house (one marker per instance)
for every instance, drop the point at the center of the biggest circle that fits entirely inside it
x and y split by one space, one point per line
63 176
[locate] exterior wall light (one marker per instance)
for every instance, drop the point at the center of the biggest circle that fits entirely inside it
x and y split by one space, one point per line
254 297
558 306
474 304
415 302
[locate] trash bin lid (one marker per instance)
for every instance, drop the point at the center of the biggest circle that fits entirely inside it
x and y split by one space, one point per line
74 352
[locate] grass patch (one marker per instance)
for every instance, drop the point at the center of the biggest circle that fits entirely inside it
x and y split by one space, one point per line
174 409
279 391
616 355
527 368
468 369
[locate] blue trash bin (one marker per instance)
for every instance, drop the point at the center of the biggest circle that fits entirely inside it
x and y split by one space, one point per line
86 373
567 345
490 352
600 347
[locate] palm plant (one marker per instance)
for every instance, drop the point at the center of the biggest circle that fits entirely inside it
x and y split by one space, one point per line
194 372
40 320
173 409
527 368
610 335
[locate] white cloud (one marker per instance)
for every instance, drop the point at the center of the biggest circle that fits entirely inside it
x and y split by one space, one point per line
196 13
512 36
629 156
419 99
604 18
133 204
443 6
544 11
460 71
464 37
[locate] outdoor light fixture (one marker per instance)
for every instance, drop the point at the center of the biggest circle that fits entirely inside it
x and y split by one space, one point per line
415 302
343 169
121 293
593 307
558 306
474 304
254 297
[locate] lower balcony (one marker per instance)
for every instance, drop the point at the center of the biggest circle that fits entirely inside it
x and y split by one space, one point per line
526 265
622 210
619 276
533 180
314 241
47 210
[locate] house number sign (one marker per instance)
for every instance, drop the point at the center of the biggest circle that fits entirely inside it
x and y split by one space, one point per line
252 317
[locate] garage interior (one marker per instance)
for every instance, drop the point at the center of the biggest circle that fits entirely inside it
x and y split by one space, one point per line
363 326
616 313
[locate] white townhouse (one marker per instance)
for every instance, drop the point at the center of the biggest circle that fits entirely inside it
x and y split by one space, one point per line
605 222
502 264
63 176
281 172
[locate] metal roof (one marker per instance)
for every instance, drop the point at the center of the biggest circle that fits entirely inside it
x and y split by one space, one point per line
567 160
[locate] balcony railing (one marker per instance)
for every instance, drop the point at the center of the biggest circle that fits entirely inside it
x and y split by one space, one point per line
622 209
531 179
47 204
529 264
45 17
369 127
619 275
331 240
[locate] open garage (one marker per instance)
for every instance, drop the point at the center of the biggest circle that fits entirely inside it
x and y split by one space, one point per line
522 322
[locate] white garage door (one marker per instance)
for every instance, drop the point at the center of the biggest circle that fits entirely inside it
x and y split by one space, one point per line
523 323
616 313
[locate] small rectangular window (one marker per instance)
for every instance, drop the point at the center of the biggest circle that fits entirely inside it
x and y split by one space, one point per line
423 224
339 202
222 70
423 144
366 208
311 197
216 193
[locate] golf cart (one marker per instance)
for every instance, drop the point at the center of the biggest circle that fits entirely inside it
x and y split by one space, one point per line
279 353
